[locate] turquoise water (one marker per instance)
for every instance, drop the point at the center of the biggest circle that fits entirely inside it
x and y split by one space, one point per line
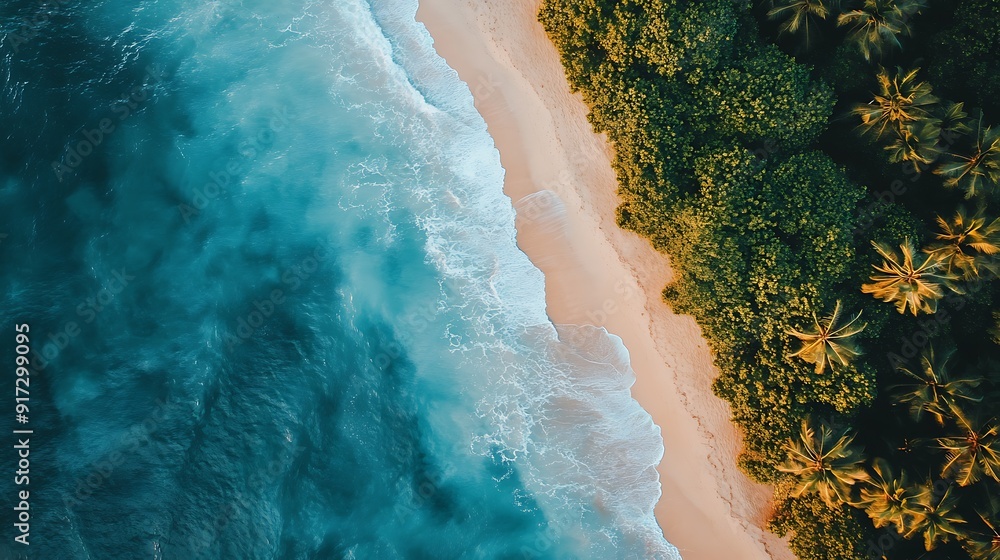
276 304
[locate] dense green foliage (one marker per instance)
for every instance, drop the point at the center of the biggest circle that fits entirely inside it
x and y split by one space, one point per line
836 534
799 106
827 210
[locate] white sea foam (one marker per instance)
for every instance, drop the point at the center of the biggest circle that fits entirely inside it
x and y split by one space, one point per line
554 402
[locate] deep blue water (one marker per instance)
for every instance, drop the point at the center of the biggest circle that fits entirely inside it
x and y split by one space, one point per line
276 305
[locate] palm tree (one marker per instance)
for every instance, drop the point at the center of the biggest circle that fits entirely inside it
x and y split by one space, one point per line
916 143
985 545
877 25
967 244
828 342
910 280
953 122
975 453
979 170
800 16
933 390
824 462
889 499
937 516
901 101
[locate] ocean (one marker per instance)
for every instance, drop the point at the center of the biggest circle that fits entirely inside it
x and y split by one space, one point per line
276 305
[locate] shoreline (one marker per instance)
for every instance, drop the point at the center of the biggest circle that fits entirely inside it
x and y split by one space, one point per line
598 274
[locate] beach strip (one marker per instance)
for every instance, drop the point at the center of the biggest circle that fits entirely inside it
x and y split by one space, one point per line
559 177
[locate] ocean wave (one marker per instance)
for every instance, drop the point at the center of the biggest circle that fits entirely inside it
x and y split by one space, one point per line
405 397
556 399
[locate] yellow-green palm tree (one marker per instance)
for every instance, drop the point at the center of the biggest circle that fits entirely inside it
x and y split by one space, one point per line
824 462
967 245
917 144
937 516
933 390
954 121
973 454
889 499
912 281
828 342
985 544
799 17
901 101
978 170
877 25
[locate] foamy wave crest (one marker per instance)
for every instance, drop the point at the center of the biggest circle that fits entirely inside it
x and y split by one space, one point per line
555 401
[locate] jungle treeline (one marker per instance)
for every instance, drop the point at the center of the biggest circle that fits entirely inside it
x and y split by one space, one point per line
823 176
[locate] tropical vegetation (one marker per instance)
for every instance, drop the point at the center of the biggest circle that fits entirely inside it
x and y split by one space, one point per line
804 164
829 342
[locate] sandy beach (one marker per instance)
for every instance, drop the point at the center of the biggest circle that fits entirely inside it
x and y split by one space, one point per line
559 177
